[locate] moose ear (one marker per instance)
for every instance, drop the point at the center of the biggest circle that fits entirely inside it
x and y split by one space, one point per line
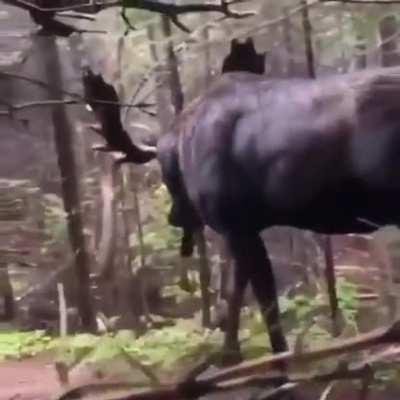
234 43
250 44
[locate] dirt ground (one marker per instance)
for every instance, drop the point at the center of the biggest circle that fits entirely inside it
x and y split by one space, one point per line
35 379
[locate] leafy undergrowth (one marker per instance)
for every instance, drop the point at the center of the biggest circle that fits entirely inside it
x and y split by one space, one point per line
18 345
305 318
174 347
159 351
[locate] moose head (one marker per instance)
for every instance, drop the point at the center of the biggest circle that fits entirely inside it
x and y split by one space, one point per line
104 102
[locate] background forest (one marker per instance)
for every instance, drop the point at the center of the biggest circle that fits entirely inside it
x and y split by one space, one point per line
91 278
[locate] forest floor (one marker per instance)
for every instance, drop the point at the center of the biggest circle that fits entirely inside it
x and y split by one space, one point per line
30 379
36 379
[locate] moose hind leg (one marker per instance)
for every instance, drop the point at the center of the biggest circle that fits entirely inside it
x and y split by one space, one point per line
236 289
251 256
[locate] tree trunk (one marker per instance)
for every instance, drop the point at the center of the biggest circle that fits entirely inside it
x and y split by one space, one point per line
177 100
140 273
165 112
174 81
324 239
207 56
63 138
132 286
129 285
168 77
331 284
308 39
388 29
107 245
288 43
6 292
360 56
107 250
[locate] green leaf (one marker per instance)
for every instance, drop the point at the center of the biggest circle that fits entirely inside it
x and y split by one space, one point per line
15 344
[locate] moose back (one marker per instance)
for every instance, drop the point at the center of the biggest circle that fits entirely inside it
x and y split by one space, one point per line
321 155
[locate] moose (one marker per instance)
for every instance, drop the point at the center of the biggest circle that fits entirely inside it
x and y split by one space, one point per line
253 152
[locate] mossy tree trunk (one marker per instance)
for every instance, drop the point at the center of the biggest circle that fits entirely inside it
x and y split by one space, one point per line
63 139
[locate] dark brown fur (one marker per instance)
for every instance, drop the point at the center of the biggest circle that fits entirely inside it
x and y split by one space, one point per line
252 153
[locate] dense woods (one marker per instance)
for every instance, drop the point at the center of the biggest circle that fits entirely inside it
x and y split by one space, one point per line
96 282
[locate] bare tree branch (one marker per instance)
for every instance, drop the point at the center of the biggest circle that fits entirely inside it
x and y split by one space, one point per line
169 9
378 336
43 103
38 82
279 20
84 7
77 16
76 98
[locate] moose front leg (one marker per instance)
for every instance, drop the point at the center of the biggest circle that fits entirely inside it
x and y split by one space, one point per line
253 264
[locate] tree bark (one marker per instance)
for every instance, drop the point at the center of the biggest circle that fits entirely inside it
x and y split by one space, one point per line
177 99
325 240
165 112
107 245
174 81
142 255
63 138
388 29
107 249
331 283
308 39
207 56
6 291
132 286
360 57
129 284
288 43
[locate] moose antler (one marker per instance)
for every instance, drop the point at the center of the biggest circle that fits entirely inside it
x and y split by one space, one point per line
103 99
